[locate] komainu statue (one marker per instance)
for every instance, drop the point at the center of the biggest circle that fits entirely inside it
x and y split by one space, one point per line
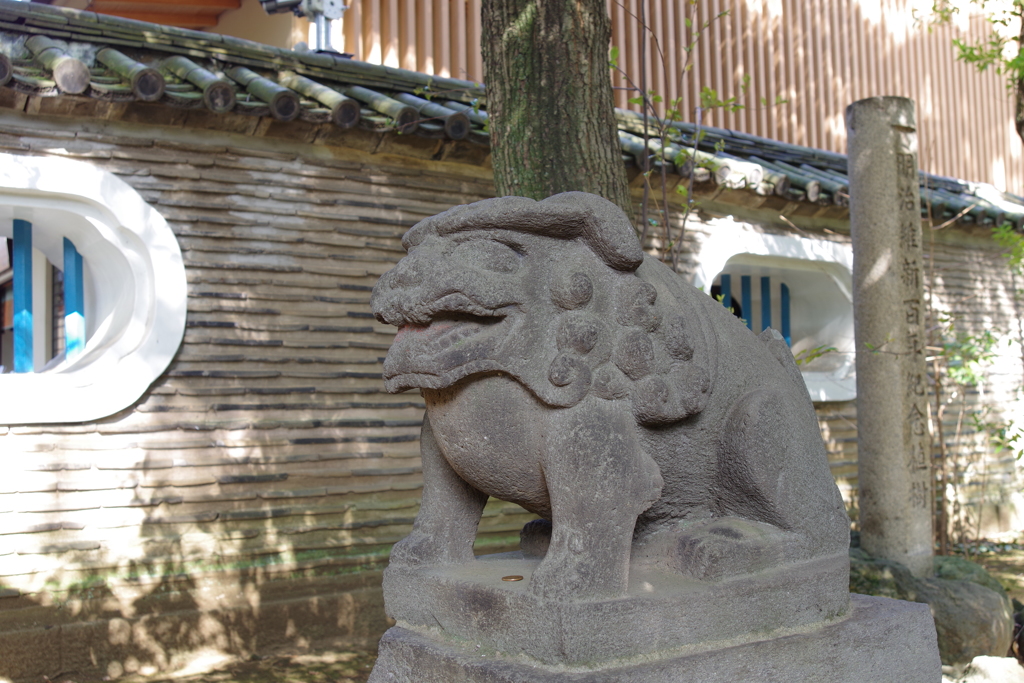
689 527
565 371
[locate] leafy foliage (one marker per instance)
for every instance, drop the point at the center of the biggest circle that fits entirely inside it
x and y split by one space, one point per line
659 116
1002 49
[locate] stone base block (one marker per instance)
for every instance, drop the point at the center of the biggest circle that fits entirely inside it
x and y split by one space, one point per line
660 613
879 641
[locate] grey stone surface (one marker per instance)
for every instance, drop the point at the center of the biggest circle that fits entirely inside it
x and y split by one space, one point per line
674 456
973 615
661 610
880 641
566 372
893 444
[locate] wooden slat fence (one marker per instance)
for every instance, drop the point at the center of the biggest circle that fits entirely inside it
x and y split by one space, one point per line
818 55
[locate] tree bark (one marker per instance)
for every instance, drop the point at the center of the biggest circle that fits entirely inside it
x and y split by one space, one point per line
549 98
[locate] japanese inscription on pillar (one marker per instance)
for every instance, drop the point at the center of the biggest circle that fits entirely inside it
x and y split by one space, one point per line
894 448
911 279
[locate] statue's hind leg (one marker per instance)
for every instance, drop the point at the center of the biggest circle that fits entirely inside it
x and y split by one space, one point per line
774 470
775 502
599 480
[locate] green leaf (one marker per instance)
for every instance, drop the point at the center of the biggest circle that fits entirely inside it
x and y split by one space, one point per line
613 57
638 100
681 190
807 355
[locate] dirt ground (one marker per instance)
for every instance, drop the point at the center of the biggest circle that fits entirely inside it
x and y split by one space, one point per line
307 667
1004 561
1007 566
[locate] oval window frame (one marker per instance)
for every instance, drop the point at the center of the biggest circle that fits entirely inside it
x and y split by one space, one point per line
729 238
138 316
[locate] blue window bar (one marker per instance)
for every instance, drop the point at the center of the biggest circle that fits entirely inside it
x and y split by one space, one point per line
726 290
766 303
748 311
784 313
74 299
74 302
746 297
22 264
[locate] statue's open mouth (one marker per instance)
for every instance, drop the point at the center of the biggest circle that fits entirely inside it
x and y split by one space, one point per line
452 345
446 330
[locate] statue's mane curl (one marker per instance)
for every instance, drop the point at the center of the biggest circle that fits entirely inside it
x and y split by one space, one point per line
596 222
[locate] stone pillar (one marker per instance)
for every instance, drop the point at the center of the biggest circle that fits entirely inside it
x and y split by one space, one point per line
893 444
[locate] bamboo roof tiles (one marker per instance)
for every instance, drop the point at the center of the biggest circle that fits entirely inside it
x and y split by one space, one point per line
50 51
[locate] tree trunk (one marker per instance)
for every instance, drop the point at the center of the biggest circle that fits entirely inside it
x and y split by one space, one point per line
549 97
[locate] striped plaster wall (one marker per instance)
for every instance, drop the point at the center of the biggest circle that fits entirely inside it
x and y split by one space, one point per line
269 445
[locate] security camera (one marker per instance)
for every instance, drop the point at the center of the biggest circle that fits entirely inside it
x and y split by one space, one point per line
329 9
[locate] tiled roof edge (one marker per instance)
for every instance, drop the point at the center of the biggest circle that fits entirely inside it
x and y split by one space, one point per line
157 37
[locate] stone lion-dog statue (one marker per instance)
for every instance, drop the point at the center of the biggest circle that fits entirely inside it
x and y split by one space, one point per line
566 371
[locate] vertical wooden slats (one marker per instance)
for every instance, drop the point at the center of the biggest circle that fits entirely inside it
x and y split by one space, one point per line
442 46
474 55
459 39
407 43
632 51
424 36
372 39
671 48
389 33
790 38
819 55
756 58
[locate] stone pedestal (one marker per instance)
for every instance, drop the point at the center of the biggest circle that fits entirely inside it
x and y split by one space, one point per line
661 611
793 623
878 641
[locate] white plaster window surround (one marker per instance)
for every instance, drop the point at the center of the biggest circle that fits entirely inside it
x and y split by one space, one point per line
819 274
135 288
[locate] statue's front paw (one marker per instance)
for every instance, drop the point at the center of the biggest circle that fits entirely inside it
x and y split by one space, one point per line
570 574
420 549
558 581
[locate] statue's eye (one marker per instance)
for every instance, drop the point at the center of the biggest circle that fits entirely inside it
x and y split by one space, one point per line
487 255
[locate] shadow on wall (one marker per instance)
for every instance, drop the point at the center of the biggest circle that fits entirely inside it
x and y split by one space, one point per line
226 546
